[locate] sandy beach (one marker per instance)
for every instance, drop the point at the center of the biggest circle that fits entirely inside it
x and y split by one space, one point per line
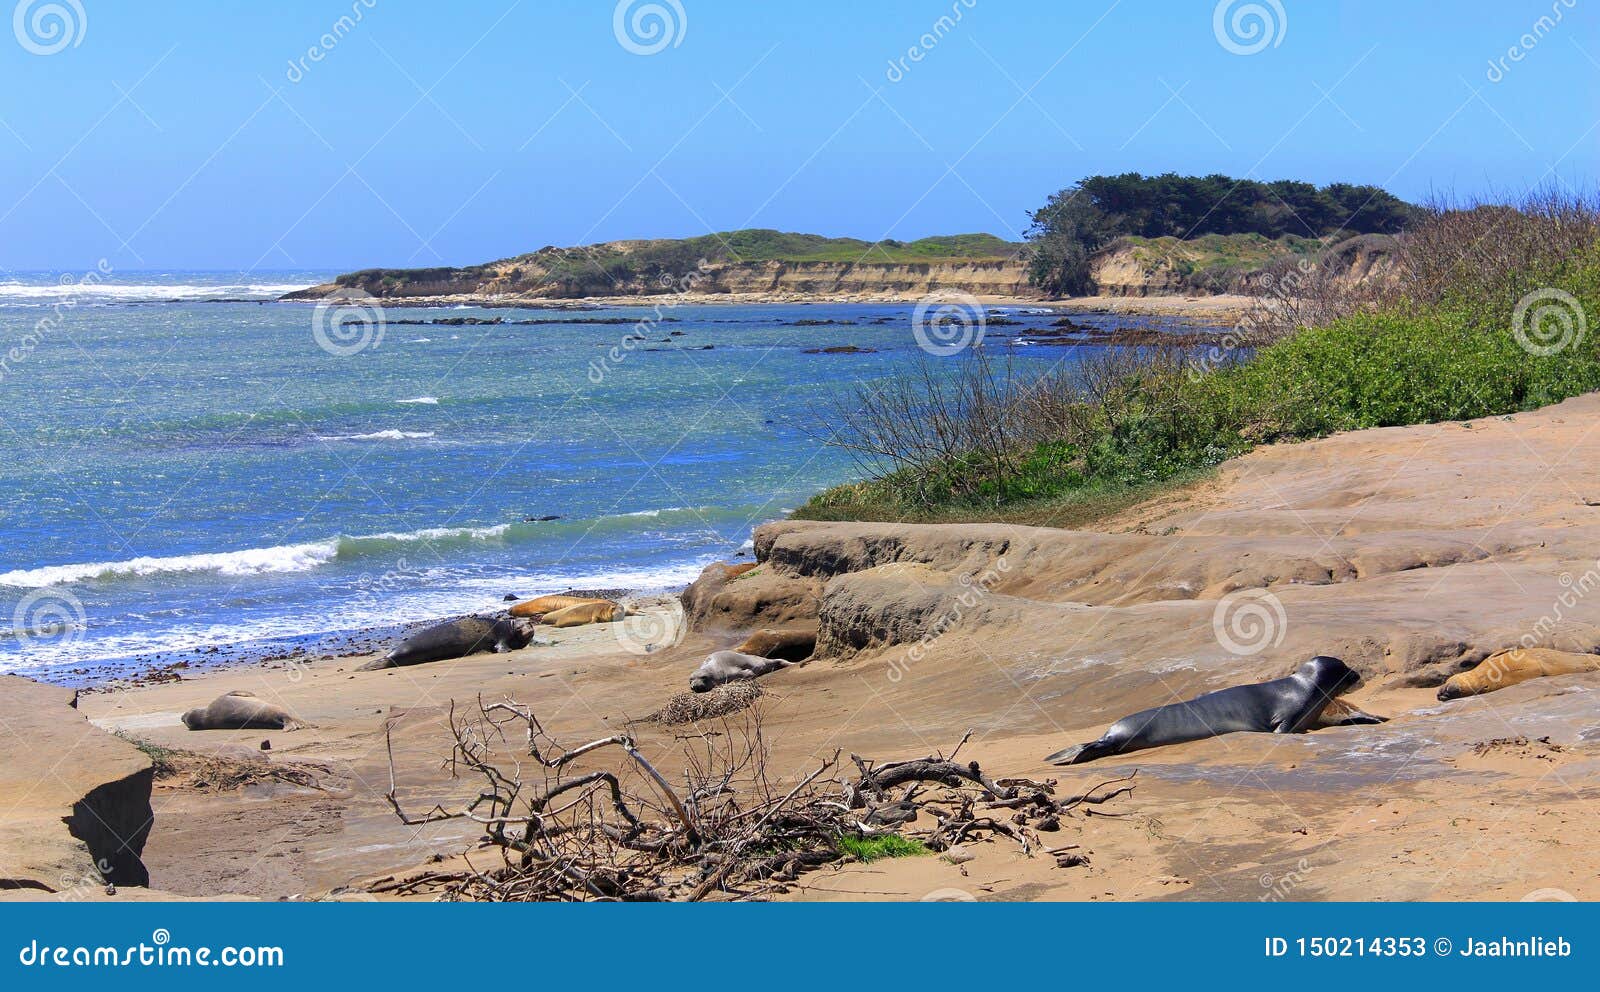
1411 553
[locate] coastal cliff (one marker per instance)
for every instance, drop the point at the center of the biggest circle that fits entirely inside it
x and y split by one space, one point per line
756 266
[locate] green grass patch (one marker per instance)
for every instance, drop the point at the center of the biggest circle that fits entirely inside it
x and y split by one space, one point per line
880 846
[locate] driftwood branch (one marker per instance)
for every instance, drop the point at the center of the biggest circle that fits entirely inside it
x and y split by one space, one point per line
710 824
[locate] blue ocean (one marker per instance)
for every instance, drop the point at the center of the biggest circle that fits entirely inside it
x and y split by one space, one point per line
191 468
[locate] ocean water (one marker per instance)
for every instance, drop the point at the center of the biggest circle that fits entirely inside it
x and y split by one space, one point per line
187 465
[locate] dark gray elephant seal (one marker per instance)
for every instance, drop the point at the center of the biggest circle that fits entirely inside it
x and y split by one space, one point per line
726 666
239 711
1283 706
456 639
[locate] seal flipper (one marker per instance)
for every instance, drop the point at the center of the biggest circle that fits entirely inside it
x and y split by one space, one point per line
1077 754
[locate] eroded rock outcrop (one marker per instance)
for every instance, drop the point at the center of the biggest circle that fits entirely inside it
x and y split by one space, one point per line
78 799
1411 553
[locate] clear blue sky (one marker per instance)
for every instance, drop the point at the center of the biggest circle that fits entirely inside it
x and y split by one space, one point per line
171 134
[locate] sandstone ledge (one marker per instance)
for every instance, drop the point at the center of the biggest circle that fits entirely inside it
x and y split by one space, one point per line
77 799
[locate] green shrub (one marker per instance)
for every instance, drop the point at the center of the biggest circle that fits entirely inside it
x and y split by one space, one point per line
1145 419
880 846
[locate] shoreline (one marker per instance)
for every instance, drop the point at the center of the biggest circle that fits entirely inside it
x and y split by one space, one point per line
1082 627
1219 308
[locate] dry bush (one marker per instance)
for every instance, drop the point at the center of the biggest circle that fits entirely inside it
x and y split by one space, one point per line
970 431
602 822
1488 255
1494 253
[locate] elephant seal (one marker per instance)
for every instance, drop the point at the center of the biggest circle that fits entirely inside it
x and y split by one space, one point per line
549 604
456 639
788 643
1283 706
726 666
598 611
239 710
1517 665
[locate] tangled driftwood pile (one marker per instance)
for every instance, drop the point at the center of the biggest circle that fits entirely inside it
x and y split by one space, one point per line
694 707
601 822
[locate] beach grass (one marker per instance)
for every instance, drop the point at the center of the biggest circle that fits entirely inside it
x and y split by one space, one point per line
881 846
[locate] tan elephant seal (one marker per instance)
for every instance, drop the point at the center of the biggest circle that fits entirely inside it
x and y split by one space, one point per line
239 710
600 611
788 643
1517 665
549 604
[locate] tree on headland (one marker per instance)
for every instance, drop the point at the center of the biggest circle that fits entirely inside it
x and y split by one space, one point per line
1064 236
1088 215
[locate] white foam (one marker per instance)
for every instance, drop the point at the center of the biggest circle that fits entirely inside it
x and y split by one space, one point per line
437 533
425 400
137 292
252 561
386 435
656 513
439 594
